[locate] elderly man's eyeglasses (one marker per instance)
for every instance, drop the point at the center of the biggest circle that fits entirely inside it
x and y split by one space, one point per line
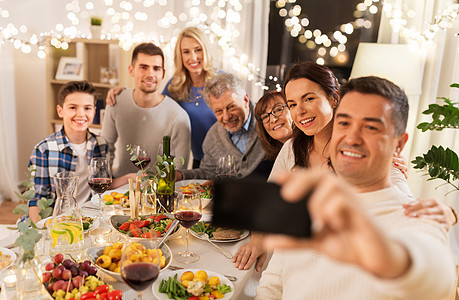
276 112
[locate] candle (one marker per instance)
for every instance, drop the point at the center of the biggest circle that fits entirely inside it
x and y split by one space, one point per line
100 236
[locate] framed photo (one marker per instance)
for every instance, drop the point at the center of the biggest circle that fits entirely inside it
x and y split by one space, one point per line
70 68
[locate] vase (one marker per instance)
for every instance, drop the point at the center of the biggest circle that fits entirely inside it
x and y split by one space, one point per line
96 31
28 276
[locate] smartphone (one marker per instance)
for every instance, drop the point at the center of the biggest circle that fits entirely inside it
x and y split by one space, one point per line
257 205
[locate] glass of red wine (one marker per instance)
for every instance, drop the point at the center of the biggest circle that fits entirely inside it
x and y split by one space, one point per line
143 159
140 263
188 210
100 177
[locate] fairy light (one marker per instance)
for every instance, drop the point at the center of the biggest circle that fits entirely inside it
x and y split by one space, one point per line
298 26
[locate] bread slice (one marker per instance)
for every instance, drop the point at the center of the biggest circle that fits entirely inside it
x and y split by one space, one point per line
226 234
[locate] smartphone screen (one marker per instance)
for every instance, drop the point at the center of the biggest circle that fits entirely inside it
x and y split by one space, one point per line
257 205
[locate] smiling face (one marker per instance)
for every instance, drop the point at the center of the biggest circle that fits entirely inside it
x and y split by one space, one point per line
309 106
77 112
363 140
192 55
231 111
147 72
279 128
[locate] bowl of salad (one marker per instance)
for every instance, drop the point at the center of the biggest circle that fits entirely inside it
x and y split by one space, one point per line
144 226
205 187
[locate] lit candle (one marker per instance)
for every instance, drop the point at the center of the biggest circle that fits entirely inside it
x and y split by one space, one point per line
10 280
100 236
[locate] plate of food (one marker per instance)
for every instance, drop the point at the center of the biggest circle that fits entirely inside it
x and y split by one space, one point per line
107 259
144 226
204 186
88 223
7 258
118 196
192 282
218 234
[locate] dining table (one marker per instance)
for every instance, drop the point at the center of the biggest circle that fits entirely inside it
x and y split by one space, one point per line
211 259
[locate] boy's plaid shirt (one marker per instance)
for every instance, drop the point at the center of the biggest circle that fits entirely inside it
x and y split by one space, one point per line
55 154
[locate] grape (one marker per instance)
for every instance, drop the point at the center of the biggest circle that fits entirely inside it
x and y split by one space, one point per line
92 270
50 288
49 266
83 273
66 275
85 266
61 267
58 258
46 276
78 281
67 286
74 270
57 273
67 263
58 285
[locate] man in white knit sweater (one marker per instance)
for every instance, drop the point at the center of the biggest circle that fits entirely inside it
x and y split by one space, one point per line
142 115
364 247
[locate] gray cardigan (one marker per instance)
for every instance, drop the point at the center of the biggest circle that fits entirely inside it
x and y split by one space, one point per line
217 143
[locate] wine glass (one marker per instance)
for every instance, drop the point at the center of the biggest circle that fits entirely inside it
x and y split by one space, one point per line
100 177
188 210
143 159
226 166
140 263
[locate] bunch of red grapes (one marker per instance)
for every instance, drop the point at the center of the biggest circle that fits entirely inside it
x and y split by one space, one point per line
65 274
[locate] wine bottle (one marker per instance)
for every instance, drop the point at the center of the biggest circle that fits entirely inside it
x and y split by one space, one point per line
166 184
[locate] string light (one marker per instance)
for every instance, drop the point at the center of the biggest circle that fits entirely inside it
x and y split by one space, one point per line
220 25
312 38
399 19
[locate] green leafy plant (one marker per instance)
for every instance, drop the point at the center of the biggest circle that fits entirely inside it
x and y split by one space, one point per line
154 170
30 234
96 21
438 162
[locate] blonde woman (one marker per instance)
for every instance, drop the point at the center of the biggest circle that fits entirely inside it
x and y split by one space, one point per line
193 67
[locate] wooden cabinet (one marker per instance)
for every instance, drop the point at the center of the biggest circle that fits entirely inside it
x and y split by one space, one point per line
94 55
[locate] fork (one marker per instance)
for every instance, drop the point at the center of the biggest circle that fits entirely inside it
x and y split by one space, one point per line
206 237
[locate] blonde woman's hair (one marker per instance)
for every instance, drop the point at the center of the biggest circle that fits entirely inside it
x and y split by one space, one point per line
180 86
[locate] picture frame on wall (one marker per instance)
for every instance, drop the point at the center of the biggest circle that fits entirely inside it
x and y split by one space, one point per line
70 68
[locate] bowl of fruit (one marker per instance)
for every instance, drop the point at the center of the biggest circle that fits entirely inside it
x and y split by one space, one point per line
66 279
107 259
144 226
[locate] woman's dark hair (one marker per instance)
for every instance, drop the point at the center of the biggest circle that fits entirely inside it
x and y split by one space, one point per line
269 144
324 77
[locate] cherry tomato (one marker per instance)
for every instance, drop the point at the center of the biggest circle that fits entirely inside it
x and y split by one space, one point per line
103 296
147 235
159 218
88 296
101 289
115 295
141 224
193 298
125 226
135 230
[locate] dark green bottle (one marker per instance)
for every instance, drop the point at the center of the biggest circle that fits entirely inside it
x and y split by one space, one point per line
166 185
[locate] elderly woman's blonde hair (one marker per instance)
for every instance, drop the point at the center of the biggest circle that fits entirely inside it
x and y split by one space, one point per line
180 86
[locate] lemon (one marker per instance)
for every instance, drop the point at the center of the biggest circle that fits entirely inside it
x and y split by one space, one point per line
71 232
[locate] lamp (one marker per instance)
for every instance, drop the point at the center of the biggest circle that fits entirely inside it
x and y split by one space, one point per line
395 62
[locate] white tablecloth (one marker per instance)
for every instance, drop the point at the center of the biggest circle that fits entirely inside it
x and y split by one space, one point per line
210 259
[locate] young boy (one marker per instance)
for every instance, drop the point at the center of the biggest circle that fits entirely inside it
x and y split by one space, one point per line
71 148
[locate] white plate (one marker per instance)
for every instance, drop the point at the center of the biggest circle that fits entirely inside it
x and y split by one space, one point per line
178 184
165 275
244 234
95 197
6 251
94 224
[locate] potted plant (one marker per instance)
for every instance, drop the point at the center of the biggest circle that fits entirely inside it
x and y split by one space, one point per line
438 162
96 26
28 266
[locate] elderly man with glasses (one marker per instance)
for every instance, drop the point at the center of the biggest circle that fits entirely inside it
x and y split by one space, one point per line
234 134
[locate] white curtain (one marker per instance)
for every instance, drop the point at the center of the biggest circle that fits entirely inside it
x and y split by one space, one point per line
8 144
440 70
